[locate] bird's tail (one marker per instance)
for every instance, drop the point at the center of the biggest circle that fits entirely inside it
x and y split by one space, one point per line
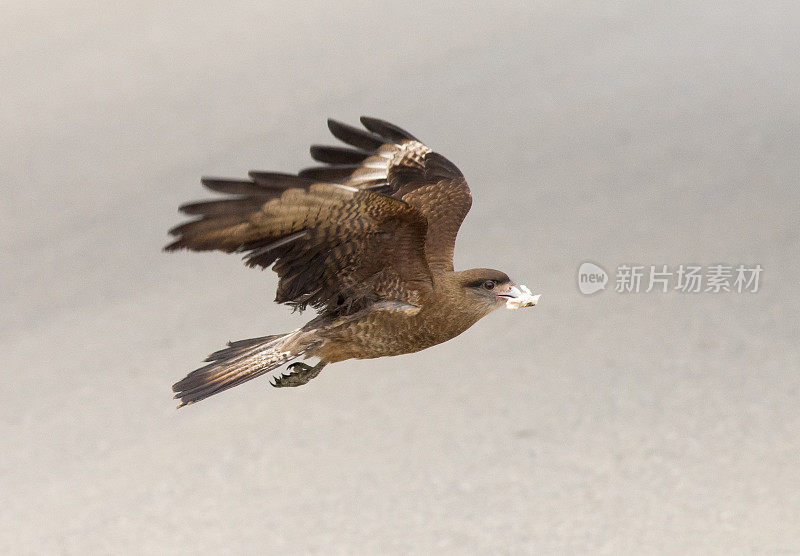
239 362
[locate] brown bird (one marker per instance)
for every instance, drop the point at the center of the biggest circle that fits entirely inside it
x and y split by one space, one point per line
367 240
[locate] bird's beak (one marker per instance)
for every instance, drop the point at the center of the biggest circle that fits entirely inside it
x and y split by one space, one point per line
517 297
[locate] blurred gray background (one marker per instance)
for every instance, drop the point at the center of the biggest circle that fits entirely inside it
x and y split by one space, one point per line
626 132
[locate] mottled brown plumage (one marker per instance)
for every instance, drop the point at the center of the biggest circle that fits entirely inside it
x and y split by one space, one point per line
367 239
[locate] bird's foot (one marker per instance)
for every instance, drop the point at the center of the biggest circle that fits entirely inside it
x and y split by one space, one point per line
300 374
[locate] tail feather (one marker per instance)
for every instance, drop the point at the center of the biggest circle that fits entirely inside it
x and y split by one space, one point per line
239 362
240 346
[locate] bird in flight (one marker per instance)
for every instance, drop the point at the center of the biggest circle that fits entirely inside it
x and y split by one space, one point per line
366 239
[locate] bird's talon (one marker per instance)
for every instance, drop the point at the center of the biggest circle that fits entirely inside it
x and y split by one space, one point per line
300 373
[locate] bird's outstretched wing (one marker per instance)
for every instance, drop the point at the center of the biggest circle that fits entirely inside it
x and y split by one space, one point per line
371 225
335 247
388 160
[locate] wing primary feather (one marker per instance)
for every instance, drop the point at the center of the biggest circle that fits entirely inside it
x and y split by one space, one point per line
224 206
354 136
233 187
337 155
278 180
387 130
329 173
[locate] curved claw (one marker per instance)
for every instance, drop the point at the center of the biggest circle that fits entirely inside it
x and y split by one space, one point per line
299 374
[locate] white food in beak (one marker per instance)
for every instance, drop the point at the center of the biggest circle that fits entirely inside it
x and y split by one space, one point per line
522 298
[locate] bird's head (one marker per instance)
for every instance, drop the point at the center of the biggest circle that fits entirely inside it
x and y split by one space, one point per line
491 289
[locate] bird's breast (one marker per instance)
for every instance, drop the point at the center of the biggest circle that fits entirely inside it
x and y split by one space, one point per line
385 333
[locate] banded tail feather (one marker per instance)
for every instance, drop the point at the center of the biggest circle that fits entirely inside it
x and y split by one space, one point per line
241 361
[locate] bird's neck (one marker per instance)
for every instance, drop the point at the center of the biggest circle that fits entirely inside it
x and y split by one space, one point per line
449 301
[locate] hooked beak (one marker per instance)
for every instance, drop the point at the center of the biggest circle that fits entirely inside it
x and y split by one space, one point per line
517 297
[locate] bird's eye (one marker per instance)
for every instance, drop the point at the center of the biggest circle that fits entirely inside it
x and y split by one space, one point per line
489 284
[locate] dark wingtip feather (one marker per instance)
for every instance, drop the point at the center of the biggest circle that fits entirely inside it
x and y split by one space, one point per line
386 129
181 228
337 155
356 137
223 207
174 246
232 186
278 181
